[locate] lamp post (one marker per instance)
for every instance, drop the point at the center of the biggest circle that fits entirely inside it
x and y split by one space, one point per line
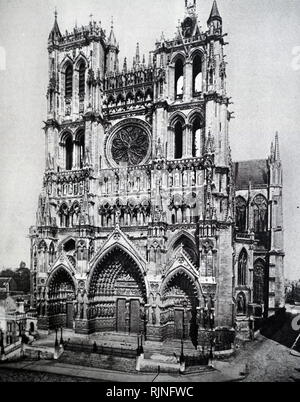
181 353
138 346
61 342
185 304
139 351
145 323
182 359
142 349
56 340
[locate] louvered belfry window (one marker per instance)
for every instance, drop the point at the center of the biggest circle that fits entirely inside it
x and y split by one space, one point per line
69 82
81 79
69 152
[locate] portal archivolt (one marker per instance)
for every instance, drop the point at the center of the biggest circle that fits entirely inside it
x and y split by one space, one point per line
117 293
61 298
180 298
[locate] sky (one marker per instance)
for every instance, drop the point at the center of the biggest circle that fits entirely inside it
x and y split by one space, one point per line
263 79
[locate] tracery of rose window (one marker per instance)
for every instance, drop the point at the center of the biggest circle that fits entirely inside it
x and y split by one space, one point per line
130 146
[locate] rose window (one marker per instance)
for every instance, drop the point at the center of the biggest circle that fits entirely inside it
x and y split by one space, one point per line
130 146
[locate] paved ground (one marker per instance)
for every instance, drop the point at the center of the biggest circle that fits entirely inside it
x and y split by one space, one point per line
267 361
15 370
13 375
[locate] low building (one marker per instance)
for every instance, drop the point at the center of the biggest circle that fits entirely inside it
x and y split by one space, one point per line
8 285
12 321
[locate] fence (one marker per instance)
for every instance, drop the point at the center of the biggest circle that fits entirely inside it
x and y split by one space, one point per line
99 349
201 360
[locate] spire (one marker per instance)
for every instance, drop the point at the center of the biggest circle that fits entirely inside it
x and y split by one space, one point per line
214 14
47 211
125 65
272 152
39 218
55 32
276 151
137 56
150 60
112 38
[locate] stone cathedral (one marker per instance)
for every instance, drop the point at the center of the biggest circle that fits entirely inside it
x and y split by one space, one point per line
144 223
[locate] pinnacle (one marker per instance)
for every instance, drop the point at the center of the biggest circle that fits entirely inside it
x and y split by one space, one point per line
55 32
214 14
276 151
112 38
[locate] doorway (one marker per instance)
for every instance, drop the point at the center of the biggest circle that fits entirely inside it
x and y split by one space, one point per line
128 318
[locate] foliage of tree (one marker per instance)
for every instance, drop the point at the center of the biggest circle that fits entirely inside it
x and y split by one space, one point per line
21 277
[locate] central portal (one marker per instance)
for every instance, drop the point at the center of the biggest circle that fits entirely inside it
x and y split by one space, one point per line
118 294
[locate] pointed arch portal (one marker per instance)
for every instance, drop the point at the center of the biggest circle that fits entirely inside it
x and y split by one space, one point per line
117 294
180 298
61 299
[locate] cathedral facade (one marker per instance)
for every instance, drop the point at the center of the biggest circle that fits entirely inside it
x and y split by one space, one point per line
145 224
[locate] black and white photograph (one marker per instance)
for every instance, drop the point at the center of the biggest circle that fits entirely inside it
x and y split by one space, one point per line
149 203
